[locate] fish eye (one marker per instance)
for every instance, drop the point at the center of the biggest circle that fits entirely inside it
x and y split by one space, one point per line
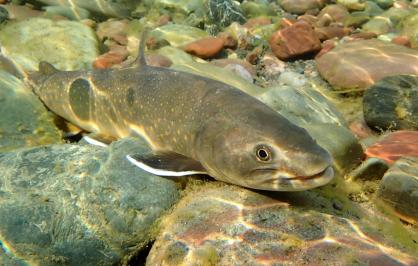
263 153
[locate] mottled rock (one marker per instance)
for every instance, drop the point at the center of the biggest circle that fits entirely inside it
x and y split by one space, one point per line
221 13
24 121
399 188
229 225
370 169
114 8
392 103
18 12
72 13
295 40
394 146
79 204
301 6
158 60
205 48
357 65
257 9
240 67
272 65
409 28
36 39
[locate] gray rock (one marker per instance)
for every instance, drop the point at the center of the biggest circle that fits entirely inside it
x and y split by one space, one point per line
30 41
371 169
221 13
79 204
392 103
24 121
301 103
399 188
229 225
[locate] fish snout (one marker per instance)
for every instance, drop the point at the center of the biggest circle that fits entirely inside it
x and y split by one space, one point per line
311 164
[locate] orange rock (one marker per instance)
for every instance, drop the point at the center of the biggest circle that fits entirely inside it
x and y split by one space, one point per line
295 40
229 41
394 146
116 55
402 40
327 46
205 48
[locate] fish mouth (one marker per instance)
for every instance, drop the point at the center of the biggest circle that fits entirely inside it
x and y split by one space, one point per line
325 173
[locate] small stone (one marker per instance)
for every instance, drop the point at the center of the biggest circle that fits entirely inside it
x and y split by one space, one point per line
205 48
395 145
163 20
158 60
359 64
402 40
360 129
253 22
352 5
225 62
301 6
371 169
295 40
116 55
391 103
362 35
336 12
229 41
399 189
112 29
272 65
329 32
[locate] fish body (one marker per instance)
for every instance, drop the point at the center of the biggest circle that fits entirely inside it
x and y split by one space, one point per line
193 124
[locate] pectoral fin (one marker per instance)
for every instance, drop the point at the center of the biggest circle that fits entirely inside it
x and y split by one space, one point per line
167 164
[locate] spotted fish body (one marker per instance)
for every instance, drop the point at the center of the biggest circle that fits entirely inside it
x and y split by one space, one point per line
194 124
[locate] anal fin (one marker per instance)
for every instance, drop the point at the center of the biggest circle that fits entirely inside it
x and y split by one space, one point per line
167 164
98 140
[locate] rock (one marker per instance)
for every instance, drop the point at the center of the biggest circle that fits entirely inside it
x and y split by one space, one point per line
257 9
205 48
329 32
391 103
370 169
337 13
402 40
352 4
181 6
384 3
36 39
115 56
394 146
78 204
177 35
232 64
299 102
360 129
114 8
409 28
158 60
399 188
378 25
72 13
357 65
229 41
221 13
295 40
115 30
18 12
301 6
24 121
228 225
272 65
260 21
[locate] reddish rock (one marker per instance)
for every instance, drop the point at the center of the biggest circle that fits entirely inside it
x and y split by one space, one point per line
225 62
253 22
253 56
295 40
116 55
359 64
360 129
362 36
394 146
229 41
329 32
327 46
402 40
205 48
309 18
158 60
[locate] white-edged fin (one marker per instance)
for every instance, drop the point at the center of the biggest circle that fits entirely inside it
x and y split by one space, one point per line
167 164
95 142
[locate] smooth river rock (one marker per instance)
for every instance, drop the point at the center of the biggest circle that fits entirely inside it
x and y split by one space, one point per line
359 64
78 204
399 188
392 103
228 225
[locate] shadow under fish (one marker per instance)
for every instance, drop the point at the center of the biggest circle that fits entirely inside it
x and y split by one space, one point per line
193 124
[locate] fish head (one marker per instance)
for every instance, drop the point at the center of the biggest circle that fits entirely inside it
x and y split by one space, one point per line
266 154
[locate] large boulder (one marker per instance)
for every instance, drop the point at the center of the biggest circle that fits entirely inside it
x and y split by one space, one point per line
359 64
79 204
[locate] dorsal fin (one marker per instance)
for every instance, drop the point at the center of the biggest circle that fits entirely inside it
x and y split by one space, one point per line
140 60
46 68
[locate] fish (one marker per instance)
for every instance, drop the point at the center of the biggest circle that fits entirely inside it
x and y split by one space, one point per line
194 125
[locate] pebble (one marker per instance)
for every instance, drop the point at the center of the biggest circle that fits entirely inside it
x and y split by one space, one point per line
293 41
395 145
205 48
336 12
370 169
116 55
391 103
301 6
